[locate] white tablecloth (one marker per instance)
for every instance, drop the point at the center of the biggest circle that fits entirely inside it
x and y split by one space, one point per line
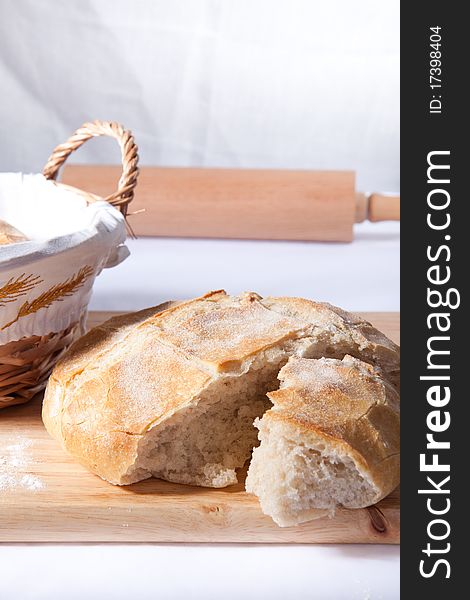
199 572
363 275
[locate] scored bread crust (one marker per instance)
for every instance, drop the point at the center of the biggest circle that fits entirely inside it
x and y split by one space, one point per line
131 374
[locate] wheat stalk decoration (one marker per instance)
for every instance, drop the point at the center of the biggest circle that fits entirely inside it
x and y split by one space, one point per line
54 294
16 287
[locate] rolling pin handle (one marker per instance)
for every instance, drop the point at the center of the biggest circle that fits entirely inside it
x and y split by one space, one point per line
377 207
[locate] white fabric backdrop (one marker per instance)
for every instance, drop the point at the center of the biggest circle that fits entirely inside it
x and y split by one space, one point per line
253 83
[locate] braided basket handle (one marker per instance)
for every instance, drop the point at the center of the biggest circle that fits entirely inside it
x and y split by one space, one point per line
125 192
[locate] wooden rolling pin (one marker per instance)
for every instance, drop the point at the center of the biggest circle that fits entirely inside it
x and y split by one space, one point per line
242 203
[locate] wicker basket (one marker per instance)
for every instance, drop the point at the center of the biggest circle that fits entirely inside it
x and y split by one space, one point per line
26 362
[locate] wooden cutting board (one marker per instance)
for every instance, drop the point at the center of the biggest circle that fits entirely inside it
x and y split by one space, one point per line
45 496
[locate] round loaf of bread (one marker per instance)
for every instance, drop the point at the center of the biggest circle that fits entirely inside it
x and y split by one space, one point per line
173 391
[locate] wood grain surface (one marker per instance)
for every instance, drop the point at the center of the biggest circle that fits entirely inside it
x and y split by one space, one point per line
46 496
232 203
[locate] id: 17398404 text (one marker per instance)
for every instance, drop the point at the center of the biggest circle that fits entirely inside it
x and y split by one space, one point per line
435 69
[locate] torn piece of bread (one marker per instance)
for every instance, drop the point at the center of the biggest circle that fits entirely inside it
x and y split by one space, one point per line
10 235
172 391
331 439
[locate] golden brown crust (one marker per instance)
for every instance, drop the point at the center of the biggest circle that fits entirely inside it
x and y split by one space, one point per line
93 403
349 406
135 371
365 341
220 332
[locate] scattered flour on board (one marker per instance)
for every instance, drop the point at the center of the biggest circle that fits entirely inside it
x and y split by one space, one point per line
15 458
